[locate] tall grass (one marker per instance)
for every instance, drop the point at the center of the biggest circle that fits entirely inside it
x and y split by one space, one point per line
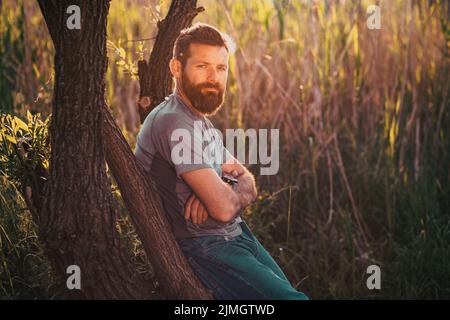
24 270
26 59
363 117
364 131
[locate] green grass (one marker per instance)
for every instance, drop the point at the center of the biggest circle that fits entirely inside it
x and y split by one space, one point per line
24 270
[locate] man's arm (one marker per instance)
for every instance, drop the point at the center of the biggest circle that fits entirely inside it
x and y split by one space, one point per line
221 202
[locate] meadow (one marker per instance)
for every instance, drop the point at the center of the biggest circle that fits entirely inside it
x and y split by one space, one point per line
364 120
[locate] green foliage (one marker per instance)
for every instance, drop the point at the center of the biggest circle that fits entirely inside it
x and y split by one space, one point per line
11 53
23 147
127 66
420 258
24 270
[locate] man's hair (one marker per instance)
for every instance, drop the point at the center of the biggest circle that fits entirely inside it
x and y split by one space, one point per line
199 33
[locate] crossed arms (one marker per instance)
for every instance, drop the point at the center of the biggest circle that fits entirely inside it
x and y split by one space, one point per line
213 197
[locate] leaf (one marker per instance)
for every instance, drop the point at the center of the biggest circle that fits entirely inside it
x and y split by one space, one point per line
22 125
8 118
121 52
110 45
10 138
46 122
29 116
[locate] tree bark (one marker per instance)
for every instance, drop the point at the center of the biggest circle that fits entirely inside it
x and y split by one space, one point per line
77 220
154 76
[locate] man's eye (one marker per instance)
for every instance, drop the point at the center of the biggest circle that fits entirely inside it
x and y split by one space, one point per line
201 66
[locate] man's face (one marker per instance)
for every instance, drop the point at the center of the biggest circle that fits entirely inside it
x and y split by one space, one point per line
204 77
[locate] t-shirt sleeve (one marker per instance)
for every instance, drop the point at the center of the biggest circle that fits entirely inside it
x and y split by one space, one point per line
226 155
179 141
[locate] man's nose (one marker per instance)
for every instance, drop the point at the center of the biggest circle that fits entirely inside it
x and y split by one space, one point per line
212 75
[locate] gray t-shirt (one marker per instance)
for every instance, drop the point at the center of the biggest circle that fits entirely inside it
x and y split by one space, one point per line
158 146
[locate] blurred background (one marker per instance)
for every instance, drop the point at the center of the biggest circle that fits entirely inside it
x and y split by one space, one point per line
364 121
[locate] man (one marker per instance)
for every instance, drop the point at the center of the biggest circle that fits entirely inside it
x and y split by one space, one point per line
203 209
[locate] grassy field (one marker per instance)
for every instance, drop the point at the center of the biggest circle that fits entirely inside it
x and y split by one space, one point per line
364 120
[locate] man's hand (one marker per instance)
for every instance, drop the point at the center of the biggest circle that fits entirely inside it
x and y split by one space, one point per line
232 168
246 188
195 210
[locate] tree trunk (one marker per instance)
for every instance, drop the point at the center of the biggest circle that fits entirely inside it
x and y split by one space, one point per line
77 221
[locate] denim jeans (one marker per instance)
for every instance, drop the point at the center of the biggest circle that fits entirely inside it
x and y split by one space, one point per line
237 268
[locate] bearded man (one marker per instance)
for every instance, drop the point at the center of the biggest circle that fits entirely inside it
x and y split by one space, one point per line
203 193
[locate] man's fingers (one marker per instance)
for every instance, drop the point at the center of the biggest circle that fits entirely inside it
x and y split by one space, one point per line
227 168
202 213
194 210
187 206
232 168
205 214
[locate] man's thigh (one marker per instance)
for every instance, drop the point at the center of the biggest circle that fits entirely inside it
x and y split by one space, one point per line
231 270
262 254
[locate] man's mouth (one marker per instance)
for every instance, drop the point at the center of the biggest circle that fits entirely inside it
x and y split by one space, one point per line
211 89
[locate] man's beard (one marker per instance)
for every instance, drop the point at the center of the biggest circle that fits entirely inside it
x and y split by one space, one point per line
207 103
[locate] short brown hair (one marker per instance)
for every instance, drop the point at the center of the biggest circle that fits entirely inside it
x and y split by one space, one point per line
199 33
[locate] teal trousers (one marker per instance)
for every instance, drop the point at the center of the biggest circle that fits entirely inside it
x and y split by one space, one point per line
238 268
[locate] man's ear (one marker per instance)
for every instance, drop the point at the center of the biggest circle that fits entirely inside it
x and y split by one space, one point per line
175 67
